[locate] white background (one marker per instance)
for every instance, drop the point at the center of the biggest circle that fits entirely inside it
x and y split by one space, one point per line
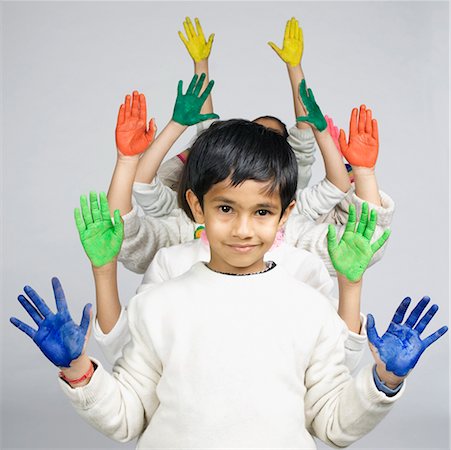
66 69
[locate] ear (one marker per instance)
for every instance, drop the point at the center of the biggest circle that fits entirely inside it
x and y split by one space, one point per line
286 214
194 204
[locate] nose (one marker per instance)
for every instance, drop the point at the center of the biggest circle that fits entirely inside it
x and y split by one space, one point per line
242 227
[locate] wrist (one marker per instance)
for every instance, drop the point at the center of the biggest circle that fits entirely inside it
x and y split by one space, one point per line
78 367
127 159
345 282
106 269
201 66
363 171
389 379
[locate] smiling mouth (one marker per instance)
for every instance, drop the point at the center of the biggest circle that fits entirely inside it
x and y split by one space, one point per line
239 248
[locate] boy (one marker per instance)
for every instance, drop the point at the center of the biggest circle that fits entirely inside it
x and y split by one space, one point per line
218 358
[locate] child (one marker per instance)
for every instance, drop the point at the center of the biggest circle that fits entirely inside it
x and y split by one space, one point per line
218 358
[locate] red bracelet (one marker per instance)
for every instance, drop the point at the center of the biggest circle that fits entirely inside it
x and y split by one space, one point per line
87 375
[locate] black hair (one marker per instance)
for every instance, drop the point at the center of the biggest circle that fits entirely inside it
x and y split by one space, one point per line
283 126
243 150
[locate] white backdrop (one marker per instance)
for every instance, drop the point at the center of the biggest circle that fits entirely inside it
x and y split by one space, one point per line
66 69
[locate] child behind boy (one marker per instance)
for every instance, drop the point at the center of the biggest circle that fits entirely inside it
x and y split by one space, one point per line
218 357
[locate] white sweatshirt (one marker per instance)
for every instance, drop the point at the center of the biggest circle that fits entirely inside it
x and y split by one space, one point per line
218 361
171 262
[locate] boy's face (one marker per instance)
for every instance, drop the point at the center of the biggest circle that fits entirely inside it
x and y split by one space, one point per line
241 223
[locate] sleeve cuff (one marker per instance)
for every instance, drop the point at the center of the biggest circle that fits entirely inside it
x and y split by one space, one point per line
300 133
381 386
357 341
131 223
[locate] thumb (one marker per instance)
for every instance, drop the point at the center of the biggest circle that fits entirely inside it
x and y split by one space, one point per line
275 48
373 337
118 225
210 42
342 142
150 133
85 323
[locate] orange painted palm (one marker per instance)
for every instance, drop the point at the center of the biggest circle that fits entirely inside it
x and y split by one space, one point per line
363 145
133 136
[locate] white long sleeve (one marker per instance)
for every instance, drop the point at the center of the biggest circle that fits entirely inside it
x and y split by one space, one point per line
210 366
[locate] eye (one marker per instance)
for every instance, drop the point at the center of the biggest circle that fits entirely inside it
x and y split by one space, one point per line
225 209
263 212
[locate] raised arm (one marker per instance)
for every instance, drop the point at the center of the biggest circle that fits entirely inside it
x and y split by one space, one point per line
199 50
102 240
361 152
133 137
336 172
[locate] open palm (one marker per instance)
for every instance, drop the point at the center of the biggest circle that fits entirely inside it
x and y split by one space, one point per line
352 255
401 346
58 337
363 146
132 135
100 238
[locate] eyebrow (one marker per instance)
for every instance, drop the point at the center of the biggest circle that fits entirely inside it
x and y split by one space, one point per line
231 202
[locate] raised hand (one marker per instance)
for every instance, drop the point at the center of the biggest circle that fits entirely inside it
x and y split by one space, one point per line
400 347
314 115
363 145
187 106
132 134
100 238
58 337
353 253
293 44
195 42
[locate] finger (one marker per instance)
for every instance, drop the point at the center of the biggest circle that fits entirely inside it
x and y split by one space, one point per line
23 327
135 104
199 30
121 115
80 224
210 42
94 207
331 239
104 207
342 142
417 311
375 246
127 106
371 331
350 226
207 90
422 324
363 219
142 107
182 37
87 217
401 310
300 35
369 122
311 96
287 31
362 117
290 32
433 337
150 133
187 30
192 84
180 88
40 304
199 85
371 227
275 48
60 299
353 123
85 318
191 27
118 225
375 132
31 310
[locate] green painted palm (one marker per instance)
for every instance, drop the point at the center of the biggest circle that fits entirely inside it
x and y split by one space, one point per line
187 106
314 115
352 255
100 238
